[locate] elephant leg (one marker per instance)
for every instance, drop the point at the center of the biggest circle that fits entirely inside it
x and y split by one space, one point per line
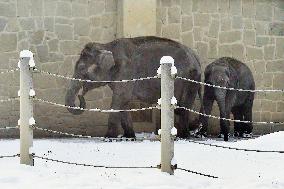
208 100
248 117
238 115
127 125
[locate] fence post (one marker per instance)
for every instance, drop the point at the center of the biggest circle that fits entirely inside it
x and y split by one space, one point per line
26 107
167 114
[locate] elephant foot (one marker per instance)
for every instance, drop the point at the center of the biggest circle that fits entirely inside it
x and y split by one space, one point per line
200 135
225 137
183 135
129 134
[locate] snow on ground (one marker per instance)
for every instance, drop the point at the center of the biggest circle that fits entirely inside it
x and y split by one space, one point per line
235 169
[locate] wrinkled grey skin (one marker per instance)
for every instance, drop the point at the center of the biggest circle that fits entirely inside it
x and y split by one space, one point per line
230 73
129 58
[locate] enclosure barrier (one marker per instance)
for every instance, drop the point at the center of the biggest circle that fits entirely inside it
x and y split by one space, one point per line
167 72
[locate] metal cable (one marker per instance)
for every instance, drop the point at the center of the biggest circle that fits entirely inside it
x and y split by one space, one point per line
7 128
103 139
9 99
95 109
231 120
10 71
91 81
97 166
242 90
238 149
10 156
197 173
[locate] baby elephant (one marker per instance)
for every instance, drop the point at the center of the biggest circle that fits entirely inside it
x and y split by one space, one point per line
230 73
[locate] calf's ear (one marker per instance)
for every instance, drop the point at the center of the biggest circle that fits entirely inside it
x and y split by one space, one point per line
106 60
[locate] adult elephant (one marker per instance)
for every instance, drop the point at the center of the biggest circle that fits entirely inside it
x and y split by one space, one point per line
230 73
129 58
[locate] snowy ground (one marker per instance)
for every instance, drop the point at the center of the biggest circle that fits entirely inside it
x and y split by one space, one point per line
235 169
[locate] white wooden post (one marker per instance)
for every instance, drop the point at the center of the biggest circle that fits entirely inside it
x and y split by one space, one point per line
26 107
167 114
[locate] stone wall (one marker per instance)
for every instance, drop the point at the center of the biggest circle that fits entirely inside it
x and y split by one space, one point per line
56 30
249 30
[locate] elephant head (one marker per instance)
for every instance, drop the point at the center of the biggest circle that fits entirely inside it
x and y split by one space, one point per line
94 64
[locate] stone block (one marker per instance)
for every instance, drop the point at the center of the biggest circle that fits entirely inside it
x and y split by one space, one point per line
81 26
42 53
186 7
276 28
223 6
214 28
171 31
280 48
37 37
197 33
261 28
49 24
79 10
95 21
108 35
248 24
278 81
64 32
249 37
267 79
27 23
12 25
96 34
262 41
96 8
37 7
108 20
278 14
248 8
7 9
187 23
235 7
187 39
212 53
238 51
174 15
69 47
23 8
63 9
278 117
263 11
201 20
275 66
265 116
63 20
226 24
254 53
268 106
111 6
8 42
53 45
202 49
3 23
49 8
237 22
259 66
225 50
208 6
230 36
280 107
269 52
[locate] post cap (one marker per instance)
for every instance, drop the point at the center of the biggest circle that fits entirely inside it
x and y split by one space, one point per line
167 60
26 53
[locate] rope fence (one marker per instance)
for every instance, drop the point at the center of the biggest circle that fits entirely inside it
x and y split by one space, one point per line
167 74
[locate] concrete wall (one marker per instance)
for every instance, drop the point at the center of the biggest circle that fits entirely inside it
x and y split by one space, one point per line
56 31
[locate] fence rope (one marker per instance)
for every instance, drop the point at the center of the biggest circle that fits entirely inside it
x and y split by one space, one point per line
241 90
238 149
10 71
197 173
97 166
92 81
9 100
103 139
226 119
96 109
10 156
7 128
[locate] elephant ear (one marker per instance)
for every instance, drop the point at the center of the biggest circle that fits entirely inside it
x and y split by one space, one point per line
106 60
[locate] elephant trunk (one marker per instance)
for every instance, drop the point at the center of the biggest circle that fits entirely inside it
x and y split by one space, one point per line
220 95
72 93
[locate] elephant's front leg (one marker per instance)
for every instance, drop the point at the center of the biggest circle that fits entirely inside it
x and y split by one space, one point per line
127 125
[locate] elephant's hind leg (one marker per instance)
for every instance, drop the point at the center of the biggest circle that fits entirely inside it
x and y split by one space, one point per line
126 123
238 115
